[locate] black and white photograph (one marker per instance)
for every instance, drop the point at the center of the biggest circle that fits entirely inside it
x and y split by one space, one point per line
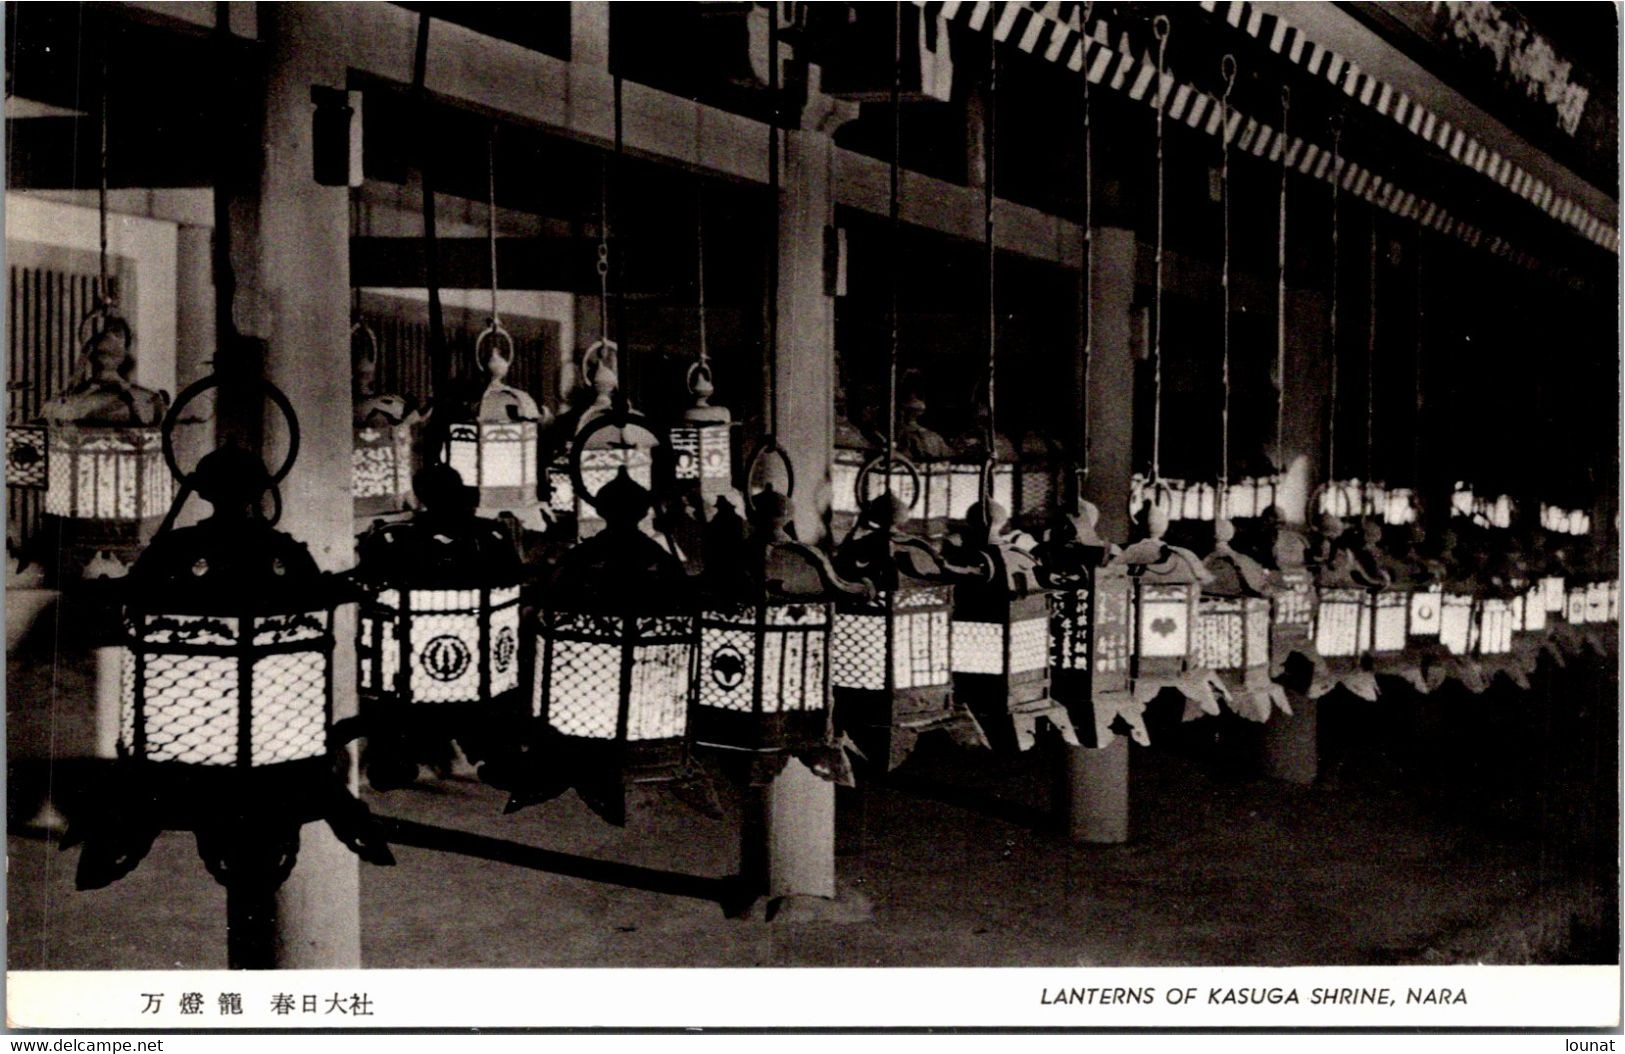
1105 513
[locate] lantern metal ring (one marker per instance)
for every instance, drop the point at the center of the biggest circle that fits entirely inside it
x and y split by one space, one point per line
622 419
770 445
106 307
366 331
692 378
862 489
493 330
196 389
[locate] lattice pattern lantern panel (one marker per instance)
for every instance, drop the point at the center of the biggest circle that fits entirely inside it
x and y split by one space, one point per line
1494 626
915 652
1554 594
113 474
1342 623
1389 615
579 685
462 644
381 468
26 456
762 679
500 458
226 692
1456 622
1293 608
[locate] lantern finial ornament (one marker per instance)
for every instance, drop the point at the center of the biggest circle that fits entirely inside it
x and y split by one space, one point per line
226 724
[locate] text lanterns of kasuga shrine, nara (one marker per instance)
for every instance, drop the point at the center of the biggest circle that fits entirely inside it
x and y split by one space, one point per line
226 722
891 665
1000 627
616 643
385 427
438 641
106 485
496 445
766 617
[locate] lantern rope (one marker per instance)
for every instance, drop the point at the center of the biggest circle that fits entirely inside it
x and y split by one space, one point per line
441 374
603 252
1331 394
491 214
1086 295
1159 26
1280 290
1370 369
1421 341
990 153
894 214
104 291
704 357
1227 69
616 172
770 362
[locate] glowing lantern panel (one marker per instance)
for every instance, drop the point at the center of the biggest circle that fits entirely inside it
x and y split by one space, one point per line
1456 622
1342 623
1426 610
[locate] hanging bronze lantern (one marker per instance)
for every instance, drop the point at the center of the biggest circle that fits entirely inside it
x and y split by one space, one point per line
496 446
1233 628
226 725
1345 612
381 472
438 641
765 622
1037 480
891 666
616 641
999 632
106 485
1292 608
1166 582
702 445
1090 627
603 460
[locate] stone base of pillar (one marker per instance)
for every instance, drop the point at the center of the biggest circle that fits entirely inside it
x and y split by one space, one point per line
1093 796
1291 744
847 907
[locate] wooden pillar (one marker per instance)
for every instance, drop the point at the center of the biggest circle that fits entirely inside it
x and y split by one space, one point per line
1292 744
289 248
800 807
1095 797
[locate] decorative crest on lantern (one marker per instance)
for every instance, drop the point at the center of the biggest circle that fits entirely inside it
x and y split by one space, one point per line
438 641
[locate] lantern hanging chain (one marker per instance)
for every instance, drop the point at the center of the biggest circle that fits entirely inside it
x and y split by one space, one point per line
771 362
1227 69
603 252
990 144
699 266
1159 26
1331 393
1088 275
491 218
894 218
1280 288
104 290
